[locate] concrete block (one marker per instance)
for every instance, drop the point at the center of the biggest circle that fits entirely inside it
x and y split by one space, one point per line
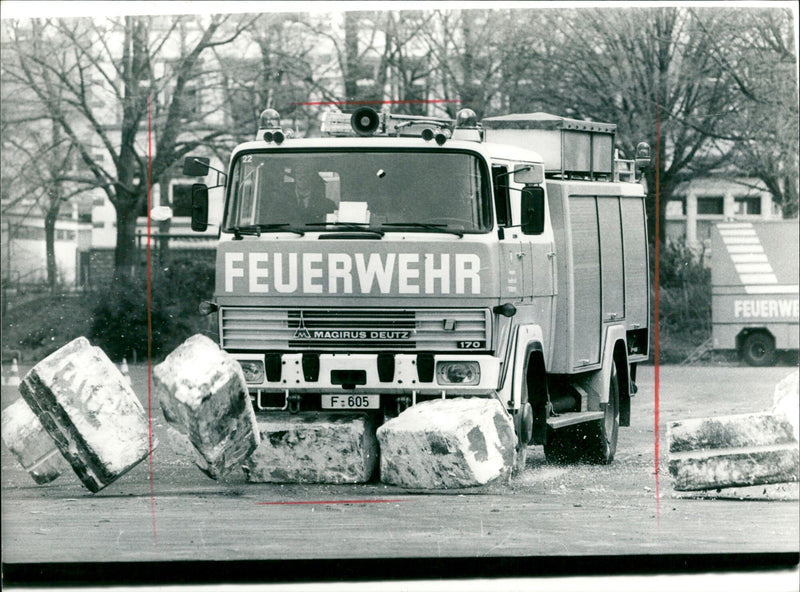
90 411
30 443
786 401
732 451
447 443
314 448
203 395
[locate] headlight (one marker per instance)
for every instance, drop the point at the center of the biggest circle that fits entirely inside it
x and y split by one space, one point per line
253 370
461 373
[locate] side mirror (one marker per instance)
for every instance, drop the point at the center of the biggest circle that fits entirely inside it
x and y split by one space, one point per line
529 175
533 210
195 166
199 207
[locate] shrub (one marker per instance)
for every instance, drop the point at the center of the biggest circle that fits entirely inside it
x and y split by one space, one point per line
120 315
685 295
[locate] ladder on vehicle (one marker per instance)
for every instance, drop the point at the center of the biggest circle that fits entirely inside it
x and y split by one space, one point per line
698 352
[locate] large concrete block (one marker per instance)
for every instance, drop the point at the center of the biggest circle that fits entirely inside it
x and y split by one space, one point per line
30 443
90 411
203 395
732 451
314 448
786 401
447 443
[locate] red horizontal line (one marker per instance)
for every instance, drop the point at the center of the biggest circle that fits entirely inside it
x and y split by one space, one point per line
397 102
373 501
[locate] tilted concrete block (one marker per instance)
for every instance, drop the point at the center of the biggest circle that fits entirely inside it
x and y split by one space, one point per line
203 395
90 411
314 448
732 451
786 401
447 443
30 443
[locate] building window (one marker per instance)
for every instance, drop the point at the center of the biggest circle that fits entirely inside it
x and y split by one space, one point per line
713 206
747 206
181 200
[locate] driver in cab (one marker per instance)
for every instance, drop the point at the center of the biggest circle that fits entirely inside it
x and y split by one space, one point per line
312 205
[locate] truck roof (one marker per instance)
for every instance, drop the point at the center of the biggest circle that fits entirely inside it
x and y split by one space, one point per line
487 149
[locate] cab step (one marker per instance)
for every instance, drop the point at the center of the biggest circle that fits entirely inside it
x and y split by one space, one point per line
571 418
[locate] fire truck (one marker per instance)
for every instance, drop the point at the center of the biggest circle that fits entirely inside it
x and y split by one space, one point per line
405 258
754 281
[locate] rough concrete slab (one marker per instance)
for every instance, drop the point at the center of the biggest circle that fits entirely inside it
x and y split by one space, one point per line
314 448
90 411
729 431
203 395
30 443
786 401
732 451
447 443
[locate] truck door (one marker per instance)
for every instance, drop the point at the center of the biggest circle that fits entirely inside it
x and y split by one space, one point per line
513 246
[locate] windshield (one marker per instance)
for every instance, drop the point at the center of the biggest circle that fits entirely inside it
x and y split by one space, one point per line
388 190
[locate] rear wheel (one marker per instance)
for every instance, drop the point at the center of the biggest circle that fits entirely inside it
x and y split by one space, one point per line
593 442
758 349
601 437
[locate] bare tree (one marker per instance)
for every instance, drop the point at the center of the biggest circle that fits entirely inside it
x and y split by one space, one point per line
37 159
116 77
650 71
756 49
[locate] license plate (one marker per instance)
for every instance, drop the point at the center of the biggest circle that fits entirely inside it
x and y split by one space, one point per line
351 401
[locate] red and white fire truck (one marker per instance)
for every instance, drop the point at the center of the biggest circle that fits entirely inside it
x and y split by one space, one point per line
405 258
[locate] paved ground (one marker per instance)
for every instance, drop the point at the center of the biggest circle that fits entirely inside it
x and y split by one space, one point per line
545 511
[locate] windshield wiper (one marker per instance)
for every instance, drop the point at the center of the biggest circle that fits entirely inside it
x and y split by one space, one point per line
357 226
256 229
426 226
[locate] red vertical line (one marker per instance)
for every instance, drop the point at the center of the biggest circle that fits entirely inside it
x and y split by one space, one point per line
656 311
150 327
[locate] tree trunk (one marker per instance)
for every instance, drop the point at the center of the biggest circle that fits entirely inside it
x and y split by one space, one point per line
126 256
351 55
50 248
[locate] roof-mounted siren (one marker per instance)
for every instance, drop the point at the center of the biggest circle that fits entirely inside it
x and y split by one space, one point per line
467 127
642 155
365 121
269 127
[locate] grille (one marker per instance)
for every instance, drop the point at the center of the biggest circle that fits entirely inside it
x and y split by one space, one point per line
250 328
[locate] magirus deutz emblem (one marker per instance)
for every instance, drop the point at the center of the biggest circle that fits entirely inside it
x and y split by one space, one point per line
342 334
302 331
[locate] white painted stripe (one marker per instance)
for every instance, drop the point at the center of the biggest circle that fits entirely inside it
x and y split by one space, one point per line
745 249
741 240
739 232
749 258
771 289
758 278
754 268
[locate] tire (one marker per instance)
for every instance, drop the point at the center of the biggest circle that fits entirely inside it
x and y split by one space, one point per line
561 446
523 427
601 437
758 349
593 442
